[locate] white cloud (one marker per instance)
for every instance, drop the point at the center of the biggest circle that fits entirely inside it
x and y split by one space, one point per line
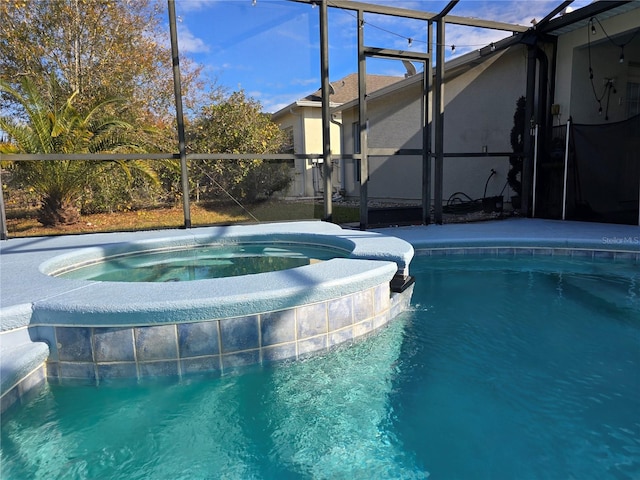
194 5
189 43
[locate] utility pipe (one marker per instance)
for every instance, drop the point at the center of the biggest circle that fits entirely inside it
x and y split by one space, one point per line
342 171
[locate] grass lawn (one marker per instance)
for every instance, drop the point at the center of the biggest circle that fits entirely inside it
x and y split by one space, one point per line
24 224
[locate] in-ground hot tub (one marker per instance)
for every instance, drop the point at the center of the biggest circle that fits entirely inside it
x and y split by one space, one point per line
219 260
98 330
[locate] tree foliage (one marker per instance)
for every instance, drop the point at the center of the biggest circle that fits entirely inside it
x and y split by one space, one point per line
235 124
107 49
61 128
99 48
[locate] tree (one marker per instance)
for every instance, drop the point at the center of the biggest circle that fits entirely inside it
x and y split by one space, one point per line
235 124
97 48
52 128
517 146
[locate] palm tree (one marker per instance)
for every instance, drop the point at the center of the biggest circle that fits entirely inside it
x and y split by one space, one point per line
50 128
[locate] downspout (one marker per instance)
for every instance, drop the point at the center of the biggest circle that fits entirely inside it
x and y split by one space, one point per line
528 115
303 149
552 87
542 116
342 163
535 114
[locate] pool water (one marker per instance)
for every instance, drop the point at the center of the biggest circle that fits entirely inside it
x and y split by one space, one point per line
198 263
504 368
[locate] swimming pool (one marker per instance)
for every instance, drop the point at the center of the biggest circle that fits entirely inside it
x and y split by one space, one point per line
505 367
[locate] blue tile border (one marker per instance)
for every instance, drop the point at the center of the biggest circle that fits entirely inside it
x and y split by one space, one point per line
24 390
311 320
113 345
74 343
218 345
240 333
154 342
198 339
531 251
277 327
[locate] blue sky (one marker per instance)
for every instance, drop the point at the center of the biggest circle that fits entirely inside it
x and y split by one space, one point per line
271 49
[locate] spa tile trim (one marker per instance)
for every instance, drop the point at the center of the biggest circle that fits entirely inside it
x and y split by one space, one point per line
96 354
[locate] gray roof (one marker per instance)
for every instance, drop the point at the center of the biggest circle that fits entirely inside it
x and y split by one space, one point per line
346 89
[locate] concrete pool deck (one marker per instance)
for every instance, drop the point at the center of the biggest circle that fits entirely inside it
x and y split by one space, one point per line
34 304
564 237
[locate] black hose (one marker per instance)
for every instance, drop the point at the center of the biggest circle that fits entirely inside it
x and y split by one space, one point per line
456 205
493 172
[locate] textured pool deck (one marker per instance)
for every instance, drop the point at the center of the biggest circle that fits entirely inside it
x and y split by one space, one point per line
23 283
522 232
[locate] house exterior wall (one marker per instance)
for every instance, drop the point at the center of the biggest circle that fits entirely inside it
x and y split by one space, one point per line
479 108
305 123
293 122
574 92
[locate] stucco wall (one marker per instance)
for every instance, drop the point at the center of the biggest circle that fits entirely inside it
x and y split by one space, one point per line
574 92
306 123
479 107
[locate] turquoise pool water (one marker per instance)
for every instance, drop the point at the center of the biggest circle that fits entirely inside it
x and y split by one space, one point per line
198 263
504 368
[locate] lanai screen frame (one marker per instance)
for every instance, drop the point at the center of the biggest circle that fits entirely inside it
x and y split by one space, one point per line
436 115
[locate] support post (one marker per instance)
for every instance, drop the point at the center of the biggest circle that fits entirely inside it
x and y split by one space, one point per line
535 169
362 120
426 132
438 120
177 88
566 172
327 165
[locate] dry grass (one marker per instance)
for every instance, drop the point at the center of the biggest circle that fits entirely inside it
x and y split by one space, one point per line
26 225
